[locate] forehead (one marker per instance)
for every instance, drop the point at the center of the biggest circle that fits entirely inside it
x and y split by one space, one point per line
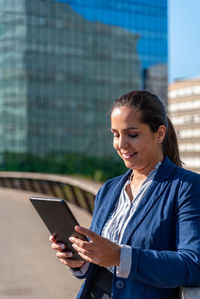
125 114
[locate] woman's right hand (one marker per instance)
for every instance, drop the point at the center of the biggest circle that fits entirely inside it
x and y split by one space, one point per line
65 256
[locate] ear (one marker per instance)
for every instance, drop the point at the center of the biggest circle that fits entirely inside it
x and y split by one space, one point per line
161 133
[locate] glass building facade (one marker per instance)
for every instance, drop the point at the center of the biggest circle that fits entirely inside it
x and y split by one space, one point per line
62 64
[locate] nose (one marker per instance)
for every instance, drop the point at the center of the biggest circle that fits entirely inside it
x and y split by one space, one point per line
122 143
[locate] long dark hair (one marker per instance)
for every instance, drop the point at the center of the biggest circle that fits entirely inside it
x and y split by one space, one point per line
152 113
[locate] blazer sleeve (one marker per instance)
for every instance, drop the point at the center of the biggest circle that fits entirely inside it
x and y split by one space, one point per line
169 269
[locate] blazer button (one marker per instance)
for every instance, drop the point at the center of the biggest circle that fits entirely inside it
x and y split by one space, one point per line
119 284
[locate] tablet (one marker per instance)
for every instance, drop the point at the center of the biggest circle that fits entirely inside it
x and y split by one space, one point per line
59 220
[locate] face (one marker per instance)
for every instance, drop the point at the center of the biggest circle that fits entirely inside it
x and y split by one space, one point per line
136 144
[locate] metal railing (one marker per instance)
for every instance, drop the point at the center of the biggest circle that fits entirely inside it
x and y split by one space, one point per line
78 191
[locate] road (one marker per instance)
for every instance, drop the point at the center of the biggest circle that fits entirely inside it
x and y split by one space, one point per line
28 266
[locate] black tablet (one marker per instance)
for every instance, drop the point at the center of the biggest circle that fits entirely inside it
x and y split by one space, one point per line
59 220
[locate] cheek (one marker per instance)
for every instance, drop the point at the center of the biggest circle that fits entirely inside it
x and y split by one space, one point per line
136 143
115 144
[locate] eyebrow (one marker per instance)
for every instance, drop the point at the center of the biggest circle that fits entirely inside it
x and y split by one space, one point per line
129 128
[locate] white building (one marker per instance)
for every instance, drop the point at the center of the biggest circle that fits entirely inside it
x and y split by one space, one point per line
184 111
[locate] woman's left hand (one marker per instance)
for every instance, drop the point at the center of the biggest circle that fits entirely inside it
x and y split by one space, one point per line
98 250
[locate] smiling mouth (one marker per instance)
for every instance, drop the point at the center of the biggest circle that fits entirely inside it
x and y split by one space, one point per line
128 156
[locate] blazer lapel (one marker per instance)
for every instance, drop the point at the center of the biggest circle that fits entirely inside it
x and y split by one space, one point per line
151 196
109 202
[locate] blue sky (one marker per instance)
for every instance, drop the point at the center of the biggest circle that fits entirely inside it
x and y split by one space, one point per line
184 39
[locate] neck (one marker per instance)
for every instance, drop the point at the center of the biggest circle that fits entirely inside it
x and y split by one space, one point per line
141 174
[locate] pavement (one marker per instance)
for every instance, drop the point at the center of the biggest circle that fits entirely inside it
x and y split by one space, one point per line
28 266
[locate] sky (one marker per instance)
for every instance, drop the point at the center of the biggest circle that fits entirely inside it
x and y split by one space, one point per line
184 39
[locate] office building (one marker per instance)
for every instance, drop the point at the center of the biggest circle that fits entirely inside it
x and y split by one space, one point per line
184 111
62 63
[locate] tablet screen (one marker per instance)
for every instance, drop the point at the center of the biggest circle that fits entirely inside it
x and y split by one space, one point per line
59 220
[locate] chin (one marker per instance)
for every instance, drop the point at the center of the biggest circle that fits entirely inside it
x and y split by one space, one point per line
132 165
129 165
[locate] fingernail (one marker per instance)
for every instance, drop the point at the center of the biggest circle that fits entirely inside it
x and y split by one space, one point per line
71 239
62 246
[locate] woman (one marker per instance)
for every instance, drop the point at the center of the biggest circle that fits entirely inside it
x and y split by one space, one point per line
145 232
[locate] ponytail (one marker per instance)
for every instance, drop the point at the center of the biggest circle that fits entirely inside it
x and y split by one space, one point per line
170 146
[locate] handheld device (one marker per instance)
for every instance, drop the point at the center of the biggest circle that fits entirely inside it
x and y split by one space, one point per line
59 220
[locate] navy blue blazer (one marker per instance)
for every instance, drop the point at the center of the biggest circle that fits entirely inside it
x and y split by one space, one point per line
164 234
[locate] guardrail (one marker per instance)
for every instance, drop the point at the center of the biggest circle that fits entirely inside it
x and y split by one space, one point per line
78 191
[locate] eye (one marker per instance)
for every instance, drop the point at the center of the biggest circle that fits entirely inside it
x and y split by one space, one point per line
133 135
115 135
